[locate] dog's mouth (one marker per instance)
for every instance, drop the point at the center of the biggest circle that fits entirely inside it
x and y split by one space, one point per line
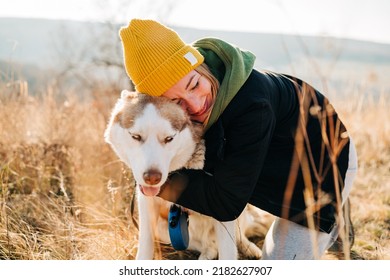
149 191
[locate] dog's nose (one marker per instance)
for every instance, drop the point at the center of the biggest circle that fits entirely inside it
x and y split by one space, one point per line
152 177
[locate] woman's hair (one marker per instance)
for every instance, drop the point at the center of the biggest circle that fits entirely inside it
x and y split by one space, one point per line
204 70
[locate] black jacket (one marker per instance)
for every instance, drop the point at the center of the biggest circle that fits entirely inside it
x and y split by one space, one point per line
274 131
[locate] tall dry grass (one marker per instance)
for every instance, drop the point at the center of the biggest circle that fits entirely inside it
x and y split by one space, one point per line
367 117
64 194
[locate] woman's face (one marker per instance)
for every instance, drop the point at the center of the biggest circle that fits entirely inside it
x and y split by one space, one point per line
193 94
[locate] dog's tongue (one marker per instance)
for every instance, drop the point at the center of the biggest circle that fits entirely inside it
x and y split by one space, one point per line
149 191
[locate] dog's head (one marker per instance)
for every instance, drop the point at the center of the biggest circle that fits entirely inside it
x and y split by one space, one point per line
151 135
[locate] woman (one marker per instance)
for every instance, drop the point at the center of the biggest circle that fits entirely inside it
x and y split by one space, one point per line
271 139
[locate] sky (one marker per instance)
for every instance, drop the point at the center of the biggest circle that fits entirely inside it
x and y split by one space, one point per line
357 19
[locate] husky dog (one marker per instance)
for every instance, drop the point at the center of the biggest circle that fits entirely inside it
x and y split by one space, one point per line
153 137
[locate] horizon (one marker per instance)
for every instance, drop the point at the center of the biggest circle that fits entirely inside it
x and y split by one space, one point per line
330 36
347 19
346 58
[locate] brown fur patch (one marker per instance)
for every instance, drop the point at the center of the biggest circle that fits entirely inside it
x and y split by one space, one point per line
136 102
170 111
118 117
134 106
164 211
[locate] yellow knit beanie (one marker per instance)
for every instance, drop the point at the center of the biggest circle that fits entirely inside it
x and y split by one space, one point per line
155 56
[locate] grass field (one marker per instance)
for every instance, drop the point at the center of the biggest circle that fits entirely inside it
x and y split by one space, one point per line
64 194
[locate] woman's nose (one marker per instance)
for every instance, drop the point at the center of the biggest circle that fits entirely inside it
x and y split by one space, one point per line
192 103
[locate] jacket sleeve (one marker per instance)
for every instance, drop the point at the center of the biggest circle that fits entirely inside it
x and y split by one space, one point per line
224 194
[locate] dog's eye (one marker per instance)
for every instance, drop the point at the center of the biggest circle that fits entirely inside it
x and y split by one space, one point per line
178 101
168 139
136 137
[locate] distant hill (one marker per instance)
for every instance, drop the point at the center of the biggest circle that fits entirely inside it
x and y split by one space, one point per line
50 43
280 49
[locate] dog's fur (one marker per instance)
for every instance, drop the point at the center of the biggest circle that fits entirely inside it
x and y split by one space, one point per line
154 137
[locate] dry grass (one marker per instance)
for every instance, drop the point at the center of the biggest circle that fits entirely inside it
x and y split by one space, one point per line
64 195
368 121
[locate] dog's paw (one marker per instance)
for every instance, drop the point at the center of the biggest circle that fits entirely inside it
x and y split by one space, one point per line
251 251
208 254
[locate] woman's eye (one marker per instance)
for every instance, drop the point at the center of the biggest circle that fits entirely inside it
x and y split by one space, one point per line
196 85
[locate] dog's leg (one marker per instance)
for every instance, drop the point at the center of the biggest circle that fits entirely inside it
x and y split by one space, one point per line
246 225
226 238
146 228
247 247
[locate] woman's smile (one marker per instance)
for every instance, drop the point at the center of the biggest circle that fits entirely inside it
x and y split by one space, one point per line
193 94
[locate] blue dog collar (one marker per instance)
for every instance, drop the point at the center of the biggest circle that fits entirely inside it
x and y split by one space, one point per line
178 227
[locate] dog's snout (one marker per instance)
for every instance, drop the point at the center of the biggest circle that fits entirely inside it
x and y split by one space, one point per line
152 177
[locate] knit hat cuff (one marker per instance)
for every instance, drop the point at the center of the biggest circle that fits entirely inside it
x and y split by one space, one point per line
171 71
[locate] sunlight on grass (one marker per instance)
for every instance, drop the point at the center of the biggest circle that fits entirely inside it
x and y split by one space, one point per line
64 194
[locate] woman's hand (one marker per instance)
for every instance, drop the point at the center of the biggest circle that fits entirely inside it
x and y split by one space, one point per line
173 187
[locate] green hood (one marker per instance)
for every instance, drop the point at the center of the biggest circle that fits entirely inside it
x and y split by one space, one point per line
230 65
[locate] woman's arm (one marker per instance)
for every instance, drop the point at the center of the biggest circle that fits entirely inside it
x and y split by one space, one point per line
225 194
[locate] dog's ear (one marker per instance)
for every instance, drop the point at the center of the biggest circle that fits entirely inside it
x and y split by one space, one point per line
128 94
